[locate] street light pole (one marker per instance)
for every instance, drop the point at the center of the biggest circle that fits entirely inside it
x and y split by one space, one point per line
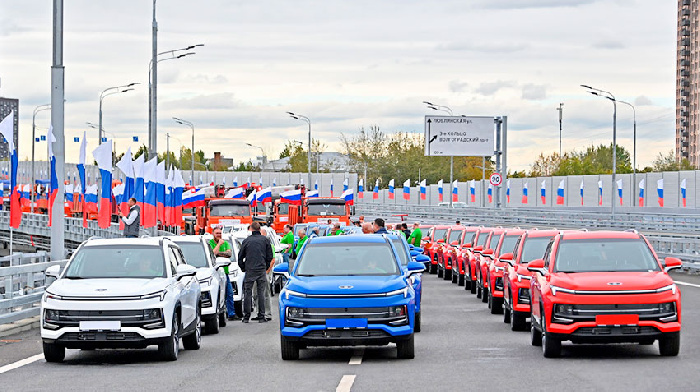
308 156
189 124
105 93
608 95
263 156
36 110
452 158
561 114
634 150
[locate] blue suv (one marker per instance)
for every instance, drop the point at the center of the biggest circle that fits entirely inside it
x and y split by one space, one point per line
348 291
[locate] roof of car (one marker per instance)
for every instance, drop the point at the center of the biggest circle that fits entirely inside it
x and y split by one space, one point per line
155 241
600 235
185 238
441 227
356 238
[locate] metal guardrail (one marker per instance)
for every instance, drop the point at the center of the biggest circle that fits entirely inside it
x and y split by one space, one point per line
22 286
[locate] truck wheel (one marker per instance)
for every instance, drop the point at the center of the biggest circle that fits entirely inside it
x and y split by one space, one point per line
54 352
290 350
193 341
535 335
670 344
416 323
551 346
439 272
169 349
405 349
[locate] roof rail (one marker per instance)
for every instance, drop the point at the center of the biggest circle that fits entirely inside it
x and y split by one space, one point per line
95 237
632 231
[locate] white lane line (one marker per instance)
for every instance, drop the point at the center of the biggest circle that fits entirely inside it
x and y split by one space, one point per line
356 358
20 363
345 383
687 284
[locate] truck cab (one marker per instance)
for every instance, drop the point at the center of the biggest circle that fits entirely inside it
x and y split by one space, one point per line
227 212
322 209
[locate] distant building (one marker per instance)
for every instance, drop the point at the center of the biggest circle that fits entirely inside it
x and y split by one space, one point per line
219 162
8 105
333 162
687 76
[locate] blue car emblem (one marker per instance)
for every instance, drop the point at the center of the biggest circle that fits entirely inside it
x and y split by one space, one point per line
345 287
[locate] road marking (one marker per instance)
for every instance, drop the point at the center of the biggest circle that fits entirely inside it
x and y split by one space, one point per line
25 361
345 383
687 284
356 358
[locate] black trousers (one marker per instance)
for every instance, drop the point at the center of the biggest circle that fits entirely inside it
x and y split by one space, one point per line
259 277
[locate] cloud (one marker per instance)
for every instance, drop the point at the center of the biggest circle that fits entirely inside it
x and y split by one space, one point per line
642 101
609 44
491 88
484 47
523 4
534 92
456 86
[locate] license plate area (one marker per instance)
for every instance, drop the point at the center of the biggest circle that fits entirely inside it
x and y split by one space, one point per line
100 325
617 319
346 323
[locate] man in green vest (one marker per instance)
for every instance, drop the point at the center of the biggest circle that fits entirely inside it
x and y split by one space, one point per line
302 238
337 230
288 239
416 235
221 248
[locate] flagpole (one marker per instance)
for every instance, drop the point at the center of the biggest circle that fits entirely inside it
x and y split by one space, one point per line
57 122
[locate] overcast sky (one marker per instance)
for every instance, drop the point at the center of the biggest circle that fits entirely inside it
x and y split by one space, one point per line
347 65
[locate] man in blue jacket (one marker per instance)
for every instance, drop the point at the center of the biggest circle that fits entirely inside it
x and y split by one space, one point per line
379 226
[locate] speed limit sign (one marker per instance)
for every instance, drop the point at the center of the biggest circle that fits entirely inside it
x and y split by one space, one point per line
496 179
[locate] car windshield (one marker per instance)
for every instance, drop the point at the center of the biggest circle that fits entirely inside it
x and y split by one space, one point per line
534 248
455 235
347 259
229 210
117 261
508 244
401 251
297 228
326 209
605 255
493 241
439 234
194 254
481 240
283 209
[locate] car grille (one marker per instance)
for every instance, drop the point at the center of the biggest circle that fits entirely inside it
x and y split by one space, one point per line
375 315
144 318
100 336
588 313
344 334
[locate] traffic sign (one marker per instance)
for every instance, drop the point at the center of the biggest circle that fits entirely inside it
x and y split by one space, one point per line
459 136
496 179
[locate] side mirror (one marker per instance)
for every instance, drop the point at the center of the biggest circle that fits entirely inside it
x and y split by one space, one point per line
411 247
421 258
415 267
455 243
466 246
440 241
478 248
53 271
536 266
426 239
488 253
670 263
183 270
282 268
506 257
222 262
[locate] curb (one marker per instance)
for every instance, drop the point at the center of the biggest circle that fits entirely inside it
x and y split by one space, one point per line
19 326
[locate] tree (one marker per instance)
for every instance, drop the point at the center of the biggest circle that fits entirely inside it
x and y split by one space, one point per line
594 160
169 158
669 162
143 150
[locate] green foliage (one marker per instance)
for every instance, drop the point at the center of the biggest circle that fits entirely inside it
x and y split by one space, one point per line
594 160
170 159
143 150
669 162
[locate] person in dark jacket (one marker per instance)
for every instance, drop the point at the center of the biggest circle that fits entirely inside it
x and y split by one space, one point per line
406 232
254 259
132 222
379 226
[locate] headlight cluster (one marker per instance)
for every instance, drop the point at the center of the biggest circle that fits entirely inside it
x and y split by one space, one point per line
292 293
158 294
672 288
233 273
206 282
295 312
564 309
524 296
556 289
668 307
205 299
397 311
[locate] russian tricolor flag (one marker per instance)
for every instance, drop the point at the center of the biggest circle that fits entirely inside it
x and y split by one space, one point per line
193 198
68 191
361 189
641 192
292 197
160 192
235 181
345 185
139 186
348 196
560 192
150 172
508 191
423 189
126 166
600 193
407 190
489 192
103 157
619 190
543 191
91 200
265 196
316 185
455 192
7 127
391 189
683 190
524 201
660 191
472 191
169 202
331 187
440 191
234 193
252 199
312 194
179 186
580 191
53 192
375 191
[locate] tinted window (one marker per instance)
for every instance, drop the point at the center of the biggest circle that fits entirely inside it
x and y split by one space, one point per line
439 234
534 248
117 262
403 256
327 209
481 240
283 208
455 235
347 259
605 255
229 210
508 245
195 254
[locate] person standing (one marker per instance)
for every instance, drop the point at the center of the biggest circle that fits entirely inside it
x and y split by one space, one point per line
379 226
287 239
367 228
254 259
302 238
132 222
221 248
337 230
405 230
416 235
268 273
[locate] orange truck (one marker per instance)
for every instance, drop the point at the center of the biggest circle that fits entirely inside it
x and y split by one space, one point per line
225 212
322 209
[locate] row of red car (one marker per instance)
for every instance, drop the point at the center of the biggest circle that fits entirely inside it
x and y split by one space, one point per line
565 285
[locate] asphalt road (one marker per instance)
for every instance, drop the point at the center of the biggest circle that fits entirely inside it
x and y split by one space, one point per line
461 347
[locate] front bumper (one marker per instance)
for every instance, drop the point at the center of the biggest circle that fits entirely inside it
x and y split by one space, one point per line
73 338
590 332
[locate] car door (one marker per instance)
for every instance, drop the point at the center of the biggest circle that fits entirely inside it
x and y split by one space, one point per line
218 274
188 302
537 282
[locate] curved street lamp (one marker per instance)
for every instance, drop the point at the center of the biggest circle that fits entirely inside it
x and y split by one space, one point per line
189 124
308 156
105 93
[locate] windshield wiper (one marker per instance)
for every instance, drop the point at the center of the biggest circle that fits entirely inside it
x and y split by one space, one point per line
74 277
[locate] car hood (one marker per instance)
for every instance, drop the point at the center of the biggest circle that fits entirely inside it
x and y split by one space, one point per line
203 273
106 287
359 284
611 280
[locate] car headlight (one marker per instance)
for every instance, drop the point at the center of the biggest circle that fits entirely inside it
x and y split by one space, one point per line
397 311
158 294
668 307
295 312
521 277
206 282
564 309
403 291
500 269
49 295
233 273
556 289
288 293
672 288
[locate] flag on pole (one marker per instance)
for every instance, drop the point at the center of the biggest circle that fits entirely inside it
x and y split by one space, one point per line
127 167
139 184
440 191
600 193
375 191
560 192
361 189
247 182
91 200
580 191
312 194
274 181
316 185
292 197
160 192
234 193
265 196
472 191
455 192
193 198
169 202
68 194
489 193
543 191
81 174
7 127
345 185
619 190
660 191
641 192
348 196
683 191
103 157
508 191
331 186
406 190
150 172
261 182
252 199
524 201
235 181
391 189
423 189
53 191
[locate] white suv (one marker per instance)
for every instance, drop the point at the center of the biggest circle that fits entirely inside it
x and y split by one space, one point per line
211 277
122 293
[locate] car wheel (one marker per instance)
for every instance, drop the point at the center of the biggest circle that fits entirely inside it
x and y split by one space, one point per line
193 341
455 277
460 280
484 294
169 349
506 312
290 350
54 352
496 304
670 344
211 325
535 335
472 284
478 289
416 323
517 321
223 319
433 268
439 272
446 274
405 349
551 346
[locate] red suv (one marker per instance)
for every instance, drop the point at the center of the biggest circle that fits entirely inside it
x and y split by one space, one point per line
516 292
471 254
460 255
497 267
433 246
483 259
453 239
604 287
